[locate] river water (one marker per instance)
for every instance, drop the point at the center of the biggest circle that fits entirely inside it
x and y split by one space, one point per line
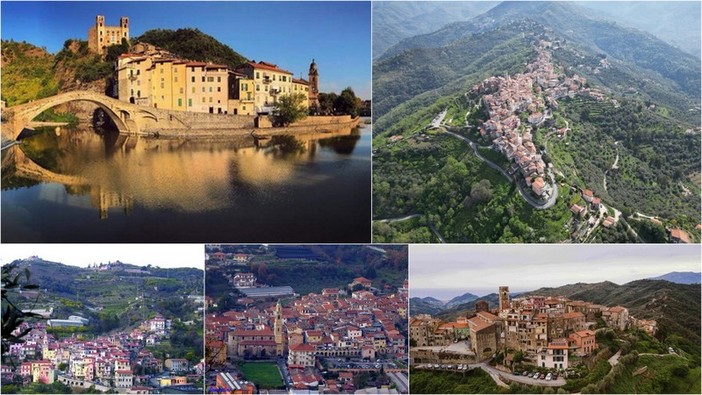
79 186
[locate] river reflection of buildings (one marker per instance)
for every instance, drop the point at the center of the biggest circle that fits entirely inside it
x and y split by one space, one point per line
185 175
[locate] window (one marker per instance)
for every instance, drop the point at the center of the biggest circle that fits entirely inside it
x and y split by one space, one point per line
210 89
258 87
175 78
210 79
132 92
258 75
203 78
210 99
138 93
162 85
180 102
273 77
192 79
285 78
203 99
219 79
203 89
190 102
219 89
161 70
181 91
193 70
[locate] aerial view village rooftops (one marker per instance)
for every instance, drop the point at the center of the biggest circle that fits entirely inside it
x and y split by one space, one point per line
306 318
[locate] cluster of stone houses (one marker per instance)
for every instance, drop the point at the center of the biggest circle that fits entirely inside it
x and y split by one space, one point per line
546 329
517 103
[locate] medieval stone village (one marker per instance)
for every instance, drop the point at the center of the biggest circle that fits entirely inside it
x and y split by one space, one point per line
546 332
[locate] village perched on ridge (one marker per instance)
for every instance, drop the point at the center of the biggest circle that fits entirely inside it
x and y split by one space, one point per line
543 334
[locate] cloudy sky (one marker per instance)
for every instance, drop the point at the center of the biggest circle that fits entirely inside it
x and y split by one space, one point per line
162 255
445 271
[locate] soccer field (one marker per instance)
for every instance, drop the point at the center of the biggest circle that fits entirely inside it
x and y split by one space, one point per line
263 374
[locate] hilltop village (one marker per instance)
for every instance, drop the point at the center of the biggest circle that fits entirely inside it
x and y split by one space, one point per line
543 330
340 340
123 361
517 103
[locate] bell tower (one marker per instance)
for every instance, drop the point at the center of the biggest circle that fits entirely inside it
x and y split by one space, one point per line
278 330
313 94
504 298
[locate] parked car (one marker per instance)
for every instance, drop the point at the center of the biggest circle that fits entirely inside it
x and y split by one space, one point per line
548 377
542 376
536 375
526 373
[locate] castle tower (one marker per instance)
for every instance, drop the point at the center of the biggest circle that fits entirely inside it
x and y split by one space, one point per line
124 28
278 330
503 295
101 36
313 94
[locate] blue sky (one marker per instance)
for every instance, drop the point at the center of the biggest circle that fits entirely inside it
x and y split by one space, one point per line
290 34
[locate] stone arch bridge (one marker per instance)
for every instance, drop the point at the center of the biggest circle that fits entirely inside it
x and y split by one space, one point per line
129 118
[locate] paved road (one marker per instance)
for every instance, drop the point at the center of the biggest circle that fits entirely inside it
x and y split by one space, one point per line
523 379
525 195
399 219
614 360
436 232
400 381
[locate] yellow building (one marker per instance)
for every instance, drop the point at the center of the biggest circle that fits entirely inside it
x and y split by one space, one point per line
270 82
133 81
207 87
168 84
241 94
101 36
302 86
162 81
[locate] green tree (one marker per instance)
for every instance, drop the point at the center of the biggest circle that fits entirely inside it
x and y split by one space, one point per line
290 108
326 102
12 316
347 103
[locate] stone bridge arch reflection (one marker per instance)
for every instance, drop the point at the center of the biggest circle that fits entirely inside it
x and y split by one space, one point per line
117 171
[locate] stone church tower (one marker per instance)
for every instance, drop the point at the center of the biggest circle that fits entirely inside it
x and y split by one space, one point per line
504 298
313 94
278 330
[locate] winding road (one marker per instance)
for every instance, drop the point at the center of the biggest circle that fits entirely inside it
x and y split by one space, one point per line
614 166
525 195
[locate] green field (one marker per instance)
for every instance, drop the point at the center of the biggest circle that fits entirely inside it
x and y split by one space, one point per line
264 374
